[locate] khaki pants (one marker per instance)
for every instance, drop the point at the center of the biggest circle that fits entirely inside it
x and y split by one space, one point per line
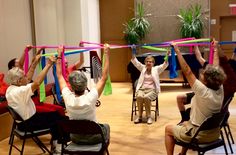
145 96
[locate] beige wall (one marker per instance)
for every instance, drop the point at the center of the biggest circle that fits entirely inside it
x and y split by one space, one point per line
165 24
56 22
15 30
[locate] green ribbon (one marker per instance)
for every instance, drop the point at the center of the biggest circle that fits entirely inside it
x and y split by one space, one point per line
155 48
107 89
194 41
42 93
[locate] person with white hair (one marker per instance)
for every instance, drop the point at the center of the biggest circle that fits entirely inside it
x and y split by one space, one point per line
80 104
19 94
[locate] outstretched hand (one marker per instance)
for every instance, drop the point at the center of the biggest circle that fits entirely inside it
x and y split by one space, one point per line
106 49
29 47
59 51
51 60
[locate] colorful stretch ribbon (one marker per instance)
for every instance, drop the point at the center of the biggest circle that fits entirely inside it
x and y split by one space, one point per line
155 48
188 42
107 88
26 65
173 73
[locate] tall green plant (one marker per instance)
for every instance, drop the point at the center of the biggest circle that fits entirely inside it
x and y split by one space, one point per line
191 22
137 27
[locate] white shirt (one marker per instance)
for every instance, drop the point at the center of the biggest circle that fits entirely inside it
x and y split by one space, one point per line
82 107
205 102
155 72
19 98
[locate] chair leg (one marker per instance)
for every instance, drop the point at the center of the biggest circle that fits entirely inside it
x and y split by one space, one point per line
11 143
230 134
11 135
38 143
222 136
227 136
23 146
41 145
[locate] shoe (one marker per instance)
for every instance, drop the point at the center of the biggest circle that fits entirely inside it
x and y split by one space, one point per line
137 120
149 120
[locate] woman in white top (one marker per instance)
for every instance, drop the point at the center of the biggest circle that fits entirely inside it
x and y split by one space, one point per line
148 85
81 105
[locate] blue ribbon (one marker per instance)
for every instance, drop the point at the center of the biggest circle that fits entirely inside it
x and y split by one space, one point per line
172 63
43 63
57 87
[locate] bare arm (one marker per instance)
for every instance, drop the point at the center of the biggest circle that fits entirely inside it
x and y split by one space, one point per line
184 66
33 65
60 77
199 57
39 79
216 53
101 83
22 58
80 62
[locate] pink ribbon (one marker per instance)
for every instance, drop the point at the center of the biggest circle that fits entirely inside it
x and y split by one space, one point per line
26 65
63 64
211 55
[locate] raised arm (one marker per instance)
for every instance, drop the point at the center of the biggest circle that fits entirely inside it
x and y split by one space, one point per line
101 83
80 62
184 66
39 79
216 52
199 57
22 58
33 65
60 77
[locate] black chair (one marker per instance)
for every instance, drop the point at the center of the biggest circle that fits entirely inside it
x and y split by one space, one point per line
23 135
225 123
210 123
84 127
154 107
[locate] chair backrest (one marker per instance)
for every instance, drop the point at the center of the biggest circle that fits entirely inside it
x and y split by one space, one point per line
14 114
212 122
226 103
79 127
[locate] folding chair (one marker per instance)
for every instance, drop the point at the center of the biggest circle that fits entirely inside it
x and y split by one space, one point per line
225 123
210 123
23 135
82 127
154 107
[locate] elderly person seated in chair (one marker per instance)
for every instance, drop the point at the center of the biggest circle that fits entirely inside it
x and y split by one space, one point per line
81 105
19 94
208 98
148 85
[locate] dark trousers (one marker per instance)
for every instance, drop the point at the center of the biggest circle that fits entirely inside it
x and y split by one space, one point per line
41 121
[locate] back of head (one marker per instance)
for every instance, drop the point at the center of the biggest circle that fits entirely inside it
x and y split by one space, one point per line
14 74
11 63
214 76
78 82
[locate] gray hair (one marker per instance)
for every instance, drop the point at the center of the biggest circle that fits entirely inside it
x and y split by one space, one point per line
214 76
78 82
14 74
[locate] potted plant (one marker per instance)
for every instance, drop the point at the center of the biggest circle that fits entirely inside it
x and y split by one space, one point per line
137 27
191 22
